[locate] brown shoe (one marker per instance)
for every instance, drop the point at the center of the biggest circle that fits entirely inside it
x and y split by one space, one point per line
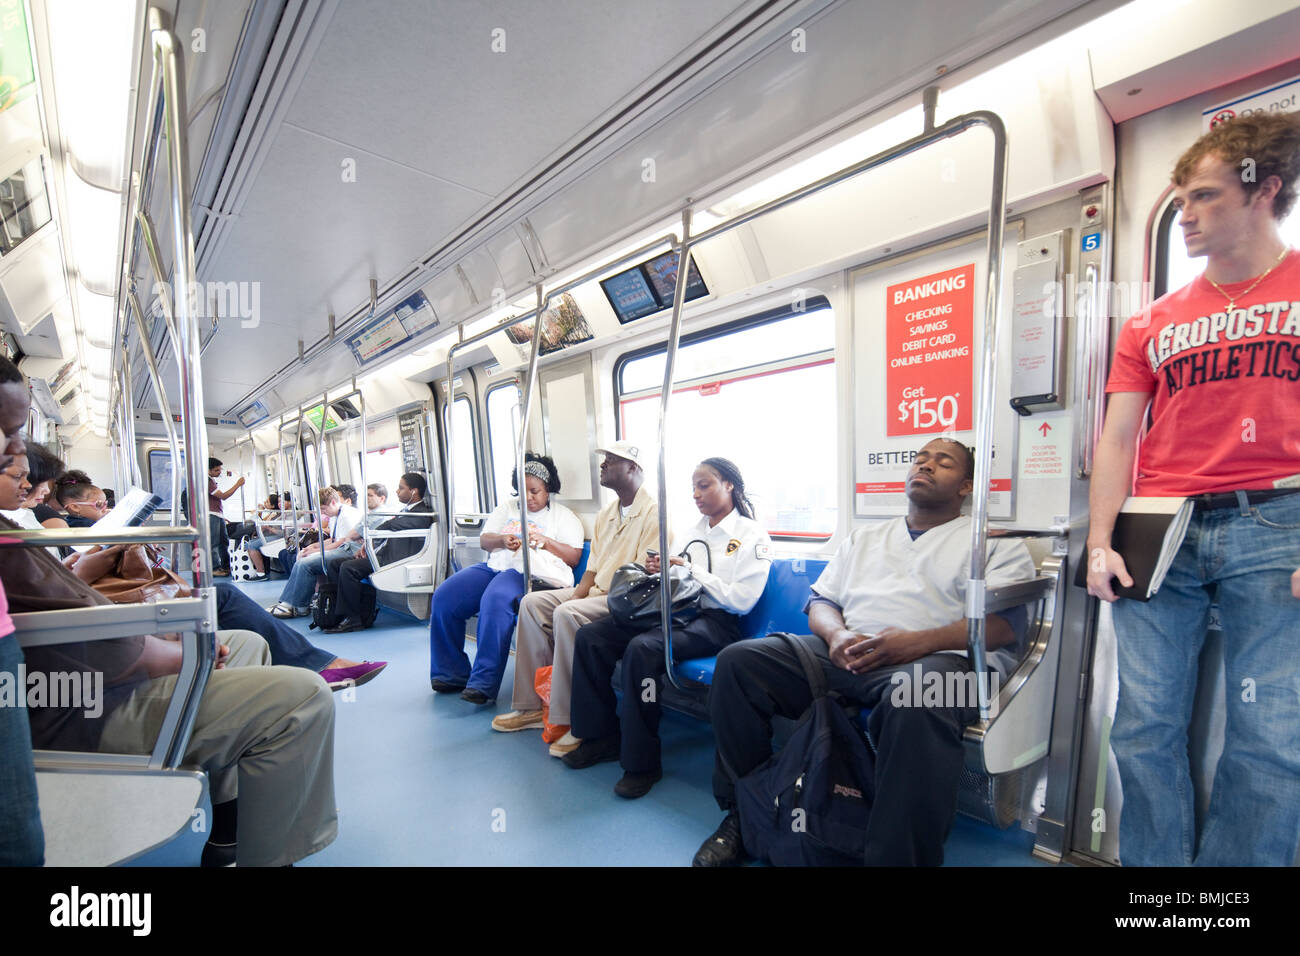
565 745
517 720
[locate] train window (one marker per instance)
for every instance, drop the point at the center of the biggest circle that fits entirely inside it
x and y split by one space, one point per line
160 475
743 393
1173 267
24 205
465 458
502 403
384 465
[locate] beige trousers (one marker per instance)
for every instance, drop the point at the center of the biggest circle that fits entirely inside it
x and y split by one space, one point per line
548 624
263 734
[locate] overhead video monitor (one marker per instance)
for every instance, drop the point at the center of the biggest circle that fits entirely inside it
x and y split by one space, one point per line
630 295
662 271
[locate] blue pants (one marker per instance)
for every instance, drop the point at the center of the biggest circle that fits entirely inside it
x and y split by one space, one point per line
302 579
494 597
236 611
22 842
1243 558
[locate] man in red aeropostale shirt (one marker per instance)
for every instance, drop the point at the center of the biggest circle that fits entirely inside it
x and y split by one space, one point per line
1218 364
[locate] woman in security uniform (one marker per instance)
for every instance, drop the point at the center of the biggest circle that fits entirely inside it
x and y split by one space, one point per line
739 552
492 588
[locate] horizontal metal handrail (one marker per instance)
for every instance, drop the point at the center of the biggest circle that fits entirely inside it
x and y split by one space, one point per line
72 537
1014 595
106 621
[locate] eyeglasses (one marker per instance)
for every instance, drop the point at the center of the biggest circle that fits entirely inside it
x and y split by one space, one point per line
97 505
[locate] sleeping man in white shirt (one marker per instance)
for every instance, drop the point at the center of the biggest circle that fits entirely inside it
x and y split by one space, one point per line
891 601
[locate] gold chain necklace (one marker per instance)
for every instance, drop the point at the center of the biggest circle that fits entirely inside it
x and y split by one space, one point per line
1232 299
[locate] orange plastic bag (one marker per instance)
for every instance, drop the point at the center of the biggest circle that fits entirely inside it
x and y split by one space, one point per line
542 684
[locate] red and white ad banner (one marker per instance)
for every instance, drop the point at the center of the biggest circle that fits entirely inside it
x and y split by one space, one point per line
929 353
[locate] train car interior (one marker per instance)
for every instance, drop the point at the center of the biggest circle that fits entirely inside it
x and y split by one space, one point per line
334 243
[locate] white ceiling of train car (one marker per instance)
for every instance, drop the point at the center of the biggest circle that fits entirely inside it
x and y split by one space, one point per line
438 125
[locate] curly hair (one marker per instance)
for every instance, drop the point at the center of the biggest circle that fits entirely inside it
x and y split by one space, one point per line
1267 143
543 469
73 485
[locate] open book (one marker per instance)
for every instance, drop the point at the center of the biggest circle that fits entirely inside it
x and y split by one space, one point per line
1148 533
132 509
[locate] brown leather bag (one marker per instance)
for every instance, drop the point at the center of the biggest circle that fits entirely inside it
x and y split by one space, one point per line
135 580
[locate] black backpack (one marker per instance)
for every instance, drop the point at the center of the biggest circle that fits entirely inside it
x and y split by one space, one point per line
325 605
809 804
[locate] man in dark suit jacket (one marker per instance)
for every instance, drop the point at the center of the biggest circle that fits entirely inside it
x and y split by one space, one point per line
354 594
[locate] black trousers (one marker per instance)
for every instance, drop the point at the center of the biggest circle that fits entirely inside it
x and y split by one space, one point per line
349 580
918 749
595 711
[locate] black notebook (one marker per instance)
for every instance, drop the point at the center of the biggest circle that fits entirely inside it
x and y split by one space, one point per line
1148 533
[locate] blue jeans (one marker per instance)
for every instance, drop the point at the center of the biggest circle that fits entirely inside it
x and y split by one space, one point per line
1241 557
302 579
494 597
22 841
236 611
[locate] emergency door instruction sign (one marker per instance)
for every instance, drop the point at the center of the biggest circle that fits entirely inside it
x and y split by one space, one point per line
929 370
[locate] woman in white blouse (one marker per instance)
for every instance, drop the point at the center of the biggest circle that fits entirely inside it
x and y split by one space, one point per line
730 555
492 588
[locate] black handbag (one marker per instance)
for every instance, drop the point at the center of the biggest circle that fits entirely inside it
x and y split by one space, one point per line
636 599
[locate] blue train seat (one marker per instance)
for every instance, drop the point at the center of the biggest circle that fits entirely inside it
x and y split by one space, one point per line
779 608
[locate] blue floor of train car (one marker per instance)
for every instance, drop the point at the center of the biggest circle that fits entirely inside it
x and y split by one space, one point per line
421 779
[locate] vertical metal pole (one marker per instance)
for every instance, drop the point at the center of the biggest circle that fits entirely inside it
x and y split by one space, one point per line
164 406
975 625
131 472
670 366
191 372
521 445
320 443
300 462
363 491
449 425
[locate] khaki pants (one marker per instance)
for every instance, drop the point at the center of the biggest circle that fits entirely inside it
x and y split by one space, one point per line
548 624
263 734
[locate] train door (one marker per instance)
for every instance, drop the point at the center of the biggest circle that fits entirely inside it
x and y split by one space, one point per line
468 495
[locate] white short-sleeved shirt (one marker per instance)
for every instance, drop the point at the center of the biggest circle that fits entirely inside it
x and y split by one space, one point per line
345 522
881 578
554 521
741 553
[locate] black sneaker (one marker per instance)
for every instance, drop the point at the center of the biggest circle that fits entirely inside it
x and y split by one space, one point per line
635 785
475 696
591 752
446 687
724 847
217 855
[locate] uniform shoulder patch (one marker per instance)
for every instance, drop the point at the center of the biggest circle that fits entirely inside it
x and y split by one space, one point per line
763 552
733 546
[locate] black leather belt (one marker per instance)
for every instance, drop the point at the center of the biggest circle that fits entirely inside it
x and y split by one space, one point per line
1228 499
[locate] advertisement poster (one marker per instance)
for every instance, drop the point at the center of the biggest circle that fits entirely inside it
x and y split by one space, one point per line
917 331
928 347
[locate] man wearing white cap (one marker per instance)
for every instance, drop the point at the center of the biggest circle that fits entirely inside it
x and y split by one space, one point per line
549 620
